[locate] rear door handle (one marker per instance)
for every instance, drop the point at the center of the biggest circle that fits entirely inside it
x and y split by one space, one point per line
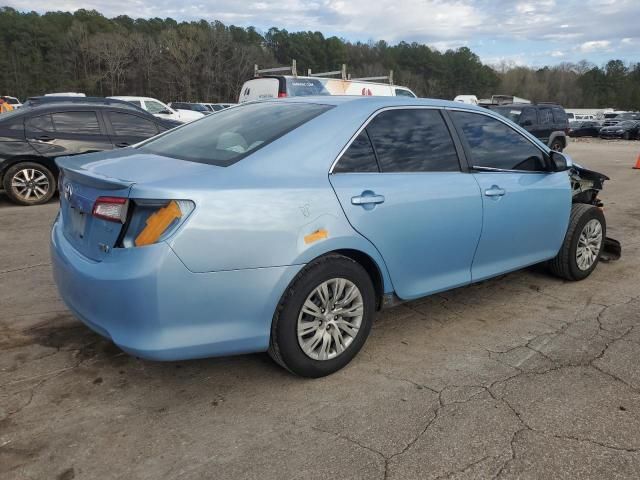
45 138
495 191
367 199
122 144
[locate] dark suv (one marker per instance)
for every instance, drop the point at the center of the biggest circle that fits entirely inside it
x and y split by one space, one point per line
546 121
32 137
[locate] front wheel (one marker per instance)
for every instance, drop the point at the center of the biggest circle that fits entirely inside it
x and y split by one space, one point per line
580 251
323 318
557 145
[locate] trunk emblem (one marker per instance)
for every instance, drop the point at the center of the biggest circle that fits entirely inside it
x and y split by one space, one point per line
68 191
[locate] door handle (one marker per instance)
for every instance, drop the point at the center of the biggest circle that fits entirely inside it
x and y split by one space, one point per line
122 144
367 199
45 138
495 191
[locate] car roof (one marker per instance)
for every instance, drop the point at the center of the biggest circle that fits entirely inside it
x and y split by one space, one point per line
58 106
126 97
377 102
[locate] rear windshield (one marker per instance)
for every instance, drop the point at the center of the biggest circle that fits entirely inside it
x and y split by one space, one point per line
232 134
304 87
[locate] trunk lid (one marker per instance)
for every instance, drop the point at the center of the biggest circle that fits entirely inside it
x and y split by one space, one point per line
85 178
92 237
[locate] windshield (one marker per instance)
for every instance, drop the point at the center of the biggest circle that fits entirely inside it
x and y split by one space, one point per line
232 134
629 116
628 123
512 114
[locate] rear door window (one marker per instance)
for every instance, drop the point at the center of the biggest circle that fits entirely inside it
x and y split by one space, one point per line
76 122
492 144
359 157
232 134
559 115
413 140
126 124
546 116
41 123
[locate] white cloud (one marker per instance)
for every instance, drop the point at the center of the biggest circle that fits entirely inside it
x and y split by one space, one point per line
594 45
557 54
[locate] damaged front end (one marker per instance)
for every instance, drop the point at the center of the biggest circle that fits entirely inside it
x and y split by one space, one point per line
585 186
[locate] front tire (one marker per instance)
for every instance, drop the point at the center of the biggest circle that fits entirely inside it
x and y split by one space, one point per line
580 251
29 183
324 317
557 145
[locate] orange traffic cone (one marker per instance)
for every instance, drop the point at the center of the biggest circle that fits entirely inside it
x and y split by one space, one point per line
637 165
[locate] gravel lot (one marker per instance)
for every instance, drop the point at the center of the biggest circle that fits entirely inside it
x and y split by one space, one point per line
523 376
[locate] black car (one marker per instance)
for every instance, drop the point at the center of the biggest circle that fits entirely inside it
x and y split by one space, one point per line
546 121
32 137
584 129
620 117
627 129
195 107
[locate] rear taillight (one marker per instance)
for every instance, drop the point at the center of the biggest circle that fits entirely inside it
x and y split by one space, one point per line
113 209
282 94
152 221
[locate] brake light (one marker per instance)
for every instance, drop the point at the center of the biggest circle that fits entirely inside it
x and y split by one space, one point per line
282 94
113 209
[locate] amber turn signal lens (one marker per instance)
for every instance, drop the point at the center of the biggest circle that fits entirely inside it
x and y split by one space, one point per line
158 223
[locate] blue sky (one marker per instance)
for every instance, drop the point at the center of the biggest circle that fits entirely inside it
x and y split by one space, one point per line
528 32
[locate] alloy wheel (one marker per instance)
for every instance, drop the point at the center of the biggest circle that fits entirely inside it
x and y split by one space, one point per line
30 184
330 319
589 244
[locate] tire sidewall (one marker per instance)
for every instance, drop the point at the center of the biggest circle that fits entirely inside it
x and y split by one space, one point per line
287 323
559 146
591 214
12 170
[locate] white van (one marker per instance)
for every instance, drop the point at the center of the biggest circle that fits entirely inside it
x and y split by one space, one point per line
161 110
279 86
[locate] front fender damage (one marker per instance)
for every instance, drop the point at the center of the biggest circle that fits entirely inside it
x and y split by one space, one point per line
585 187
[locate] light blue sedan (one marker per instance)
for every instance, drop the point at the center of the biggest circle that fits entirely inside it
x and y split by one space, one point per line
283 226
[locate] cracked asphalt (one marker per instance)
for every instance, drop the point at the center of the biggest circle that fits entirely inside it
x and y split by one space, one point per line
520 377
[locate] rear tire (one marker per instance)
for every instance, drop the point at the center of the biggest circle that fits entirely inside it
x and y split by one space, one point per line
318 340
580 251
29 183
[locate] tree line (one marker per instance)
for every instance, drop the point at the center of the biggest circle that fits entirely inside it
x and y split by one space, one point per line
208 61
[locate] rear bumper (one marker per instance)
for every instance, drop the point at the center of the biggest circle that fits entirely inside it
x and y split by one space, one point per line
152 306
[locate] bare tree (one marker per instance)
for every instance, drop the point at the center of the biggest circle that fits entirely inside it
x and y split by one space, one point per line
113 52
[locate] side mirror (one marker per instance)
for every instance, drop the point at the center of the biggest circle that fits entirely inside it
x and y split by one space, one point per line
558 162
166 112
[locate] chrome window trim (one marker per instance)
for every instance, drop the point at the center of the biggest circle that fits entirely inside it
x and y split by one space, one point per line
489 114
366 123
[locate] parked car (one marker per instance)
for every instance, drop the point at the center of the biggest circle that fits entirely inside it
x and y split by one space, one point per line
32 138
216 107
281 86
621 117
190 107
156 249
13 101
627 130
161 110
584 129
547 122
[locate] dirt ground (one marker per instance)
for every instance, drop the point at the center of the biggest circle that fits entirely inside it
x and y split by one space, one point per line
523 376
